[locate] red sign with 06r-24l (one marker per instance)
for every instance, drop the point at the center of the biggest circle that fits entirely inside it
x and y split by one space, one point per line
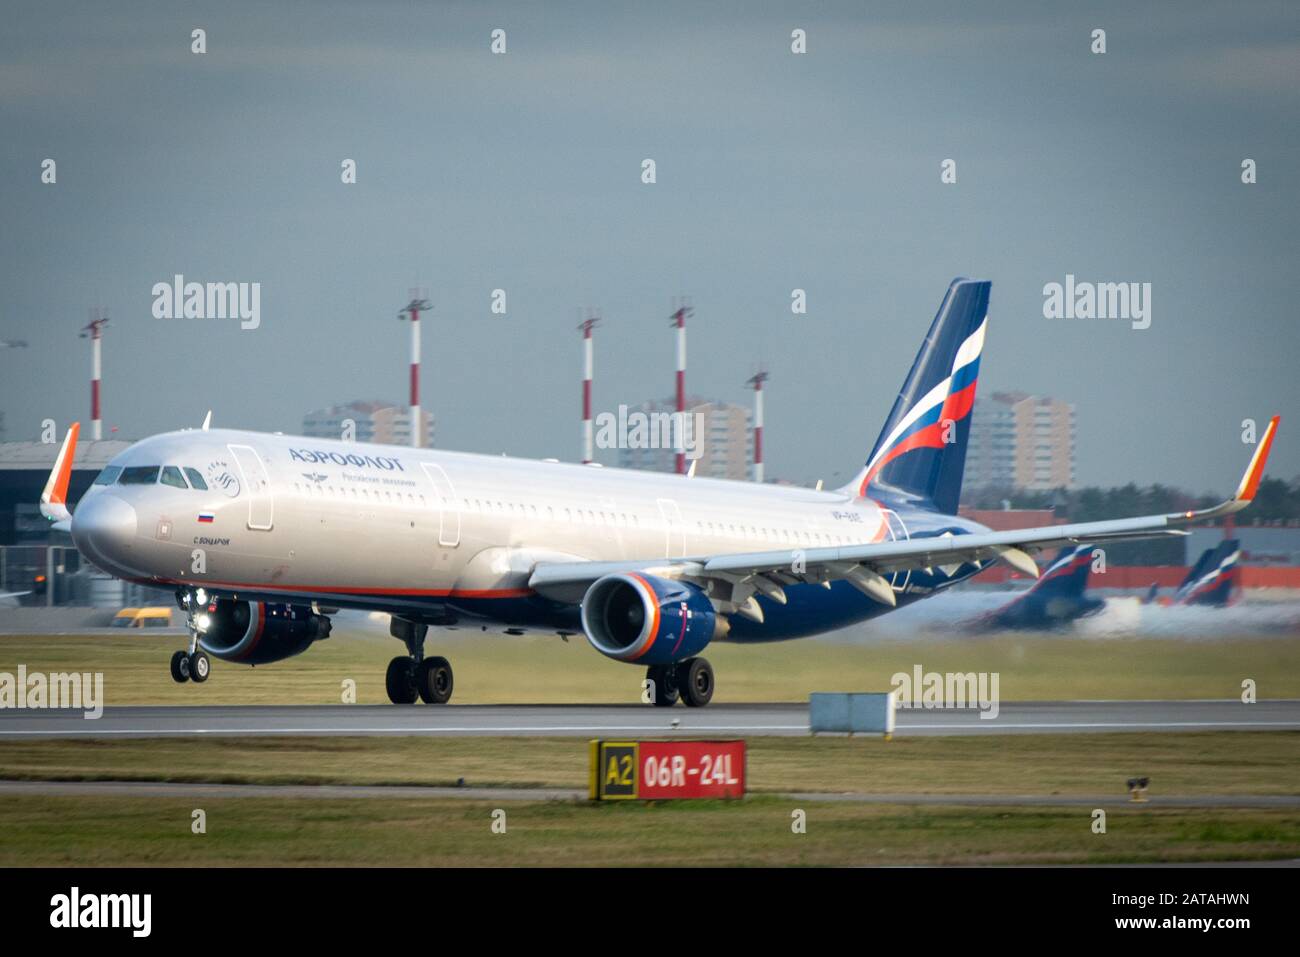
659 770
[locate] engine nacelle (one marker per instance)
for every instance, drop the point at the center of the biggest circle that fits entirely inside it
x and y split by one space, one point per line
257 632
647 619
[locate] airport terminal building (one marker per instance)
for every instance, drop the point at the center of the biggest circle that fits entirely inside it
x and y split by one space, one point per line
34 557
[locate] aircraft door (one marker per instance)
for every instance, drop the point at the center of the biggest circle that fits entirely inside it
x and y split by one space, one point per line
897 533
444 499
674 528
257 483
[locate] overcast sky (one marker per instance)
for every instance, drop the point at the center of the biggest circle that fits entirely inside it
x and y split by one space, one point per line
775 171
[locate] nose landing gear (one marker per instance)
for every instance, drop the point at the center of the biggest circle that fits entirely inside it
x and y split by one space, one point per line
192 665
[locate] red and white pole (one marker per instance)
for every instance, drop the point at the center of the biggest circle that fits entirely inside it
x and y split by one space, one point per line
757 382
96 371
679 320
415 377
94 331
412 312
588 447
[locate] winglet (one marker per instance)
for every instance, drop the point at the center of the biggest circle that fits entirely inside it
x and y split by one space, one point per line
1245 493
54 498
1250 481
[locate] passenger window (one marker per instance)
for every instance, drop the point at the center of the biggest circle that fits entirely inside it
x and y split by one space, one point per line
171 475
196 479
139 475
109 475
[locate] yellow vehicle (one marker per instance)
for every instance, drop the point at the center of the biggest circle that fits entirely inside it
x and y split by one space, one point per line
142 618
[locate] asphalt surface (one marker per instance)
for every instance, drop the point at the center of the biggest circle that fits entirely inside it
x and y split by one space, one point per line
170 789
747 720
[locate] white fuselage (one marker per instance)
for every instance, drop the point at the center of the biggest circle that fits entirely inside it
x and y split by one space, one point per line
383 526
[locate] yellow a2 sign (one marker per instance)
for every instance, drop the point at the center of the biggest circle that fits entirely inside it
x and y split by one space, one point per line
613 770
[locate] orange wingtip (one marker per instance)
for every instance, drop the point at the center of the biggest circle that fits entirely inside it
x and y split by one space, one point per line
63 466
1250 481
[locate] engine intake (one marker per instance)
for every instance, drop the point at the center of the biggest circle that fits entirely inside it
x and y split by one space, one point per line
647 619
258 633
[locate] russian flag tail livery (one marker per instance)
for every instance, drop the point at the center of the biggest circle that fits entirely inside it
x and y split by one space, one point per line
1215 579
1067 576
1057 598
921 452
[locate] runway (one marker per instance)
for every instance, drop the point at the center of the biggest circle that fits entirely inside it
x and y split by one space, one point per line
329 792
742 720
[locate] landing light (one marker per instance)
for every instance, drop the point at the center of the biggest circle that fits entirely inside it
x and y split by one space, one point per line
203 622
201 596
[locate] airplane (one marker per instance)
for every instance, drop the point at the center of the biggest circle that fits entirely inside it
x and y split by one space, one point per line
263 536
1057 598
1215 579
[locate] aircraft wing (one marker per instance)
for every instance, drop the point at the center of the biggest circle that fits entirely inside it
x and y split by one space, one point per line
864 566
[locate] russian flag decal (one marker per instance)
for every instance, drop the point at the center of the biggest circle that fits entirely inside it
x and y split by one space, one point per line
206 516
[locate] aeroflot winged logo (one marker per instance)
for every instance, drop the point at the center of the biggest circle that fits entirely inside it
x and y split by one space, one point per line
221 476
929 423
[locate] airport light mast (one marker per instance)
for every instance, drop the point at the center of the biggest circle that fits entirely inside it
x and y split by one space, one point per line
756 381
412 312
94 331
588 449
678 320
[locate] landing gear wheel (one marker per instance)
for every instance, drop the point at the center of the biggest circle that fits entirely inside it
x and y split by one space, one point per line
663 682
433 679
400 681
695 679
200 667
180 667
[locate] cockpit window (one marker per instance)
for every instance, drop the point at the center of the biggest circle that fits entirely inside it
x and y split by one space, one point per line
171 475
139 475
109 475
196 479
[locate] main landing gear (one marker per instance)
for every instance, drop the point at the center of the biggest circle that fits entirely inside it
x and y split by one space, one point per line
691 680
413 675
193 665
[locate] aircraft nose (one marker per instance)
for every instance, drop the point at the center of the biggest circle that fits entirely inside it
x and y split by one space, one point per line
104 525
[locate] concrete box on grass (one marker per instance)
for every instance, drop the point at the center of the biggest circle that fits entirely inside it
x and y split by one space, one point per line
857 713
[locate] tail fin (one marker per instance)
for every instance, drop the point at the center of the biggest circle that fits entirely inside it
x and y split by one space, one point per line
1215 579
1059 595
921 452
1067 576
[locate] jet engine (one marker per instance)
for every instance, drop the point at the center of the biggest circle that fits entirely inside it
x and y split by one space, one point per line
648 620
256 632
